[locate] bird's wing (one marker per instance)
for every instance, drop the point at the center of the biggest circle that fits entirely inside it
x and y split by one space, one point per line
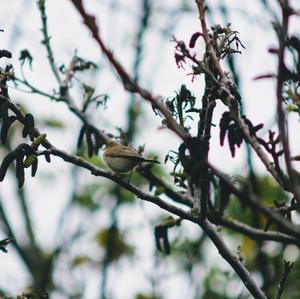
126 152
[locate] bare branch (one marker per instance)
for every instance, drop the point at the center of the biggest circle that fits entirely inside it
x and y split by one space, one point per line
251 232
281 73
235 263
253 201
46 40
205 225
128 83
193 217
287 267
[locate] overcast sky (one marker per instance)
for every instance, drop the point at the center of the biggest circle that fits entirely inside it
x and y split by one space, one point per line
21 23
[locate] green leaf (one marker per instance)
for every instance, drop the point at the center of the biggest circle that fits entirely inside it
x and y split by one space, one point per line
112 240
85 200
80 260
53 123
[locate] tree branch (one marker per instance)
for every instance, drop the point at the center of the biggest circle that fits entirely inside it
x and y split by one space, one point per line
235 263
287 267
231 101
128 83
204 224
281 73
251 232
254 202
46 40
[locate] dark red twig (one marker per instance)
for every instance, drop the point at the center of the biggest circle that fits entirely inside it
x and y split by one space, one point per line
128 82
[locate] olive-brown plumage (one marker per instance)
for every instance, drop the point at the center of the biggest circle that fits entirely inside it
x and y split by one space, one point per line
121 158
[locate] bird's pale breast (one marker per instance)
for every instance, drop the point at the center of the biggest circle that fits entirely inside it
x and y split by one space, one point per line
120 164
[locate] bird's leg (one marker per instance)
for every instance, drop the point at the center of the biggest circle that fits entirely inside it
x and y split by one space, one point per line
128 180
111 172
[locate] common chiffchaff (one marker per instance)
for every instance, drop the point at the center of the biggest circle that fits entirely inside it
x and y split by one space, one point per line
121 158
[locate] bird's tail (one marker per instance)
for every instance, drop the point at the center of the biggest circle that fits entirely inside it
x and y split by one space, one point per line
151 161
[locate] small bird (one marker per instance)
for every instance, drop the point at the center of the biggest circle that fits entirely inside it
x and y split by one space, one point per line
121 158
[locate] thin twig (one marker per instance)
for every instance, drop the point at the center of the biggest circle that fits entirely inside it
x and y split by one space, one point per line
204 224
176 196
46 40
231 101
281 70
235 263
27 218
134 105
251 232
9 231
287 267
144 171
254 202
71 105
224 82
128 83
218 219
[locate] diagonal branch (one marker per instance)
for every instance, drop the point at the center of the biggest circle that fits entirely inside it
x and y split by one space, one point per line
207 227
128 83
287 268
252 232
254 202
255 234
234 262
